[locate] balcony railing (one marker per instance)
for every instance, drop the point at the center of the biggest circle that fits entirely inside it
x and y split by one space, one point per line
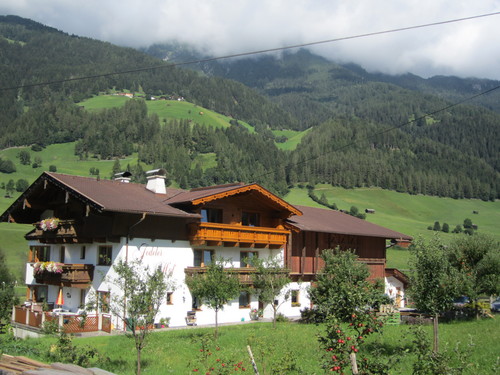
215 234
244 274
73 275
69 322
65 229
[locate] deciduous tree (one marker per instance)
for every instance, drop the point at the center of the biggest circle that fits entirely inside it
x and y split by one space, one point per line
269 279
434 282
477 259
143 292
215 287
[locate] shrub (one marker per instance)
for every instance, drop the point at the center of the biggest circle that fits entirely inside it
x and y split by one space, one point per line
7 166
280 318
445 228
22 185
52 168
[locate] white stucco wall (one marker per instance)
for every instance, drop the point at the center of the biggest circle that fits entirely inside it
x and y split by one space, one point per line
173 257
394 288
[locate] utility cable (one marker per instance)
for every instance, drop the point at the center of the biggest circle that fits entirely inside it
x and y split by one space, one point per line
249 53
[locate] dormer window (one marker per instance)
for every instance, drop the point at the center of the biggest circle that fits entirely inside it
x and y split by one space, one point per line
250 219
211 215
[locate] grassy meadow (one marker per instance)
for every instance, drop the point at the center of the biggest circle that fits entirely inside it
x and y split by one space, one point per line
165 110
177 351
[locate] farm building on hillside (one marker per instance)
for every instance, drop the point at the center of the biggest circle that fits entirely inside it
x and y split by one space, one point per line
84 225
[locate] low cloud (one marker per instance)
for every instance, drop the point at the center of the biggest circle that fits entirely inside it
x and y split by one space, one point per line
221 27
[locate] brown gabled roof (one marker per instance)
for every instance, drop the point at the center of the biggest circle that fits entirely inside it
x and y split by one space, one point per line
331 221
118 196
212 193
103 195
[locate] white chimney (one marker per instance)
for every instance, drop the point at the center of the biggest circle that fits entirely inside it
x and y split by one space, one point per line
123 177
156 181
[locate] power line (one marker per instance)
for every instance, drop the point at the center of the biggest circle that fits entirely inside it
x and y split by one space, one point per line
251 53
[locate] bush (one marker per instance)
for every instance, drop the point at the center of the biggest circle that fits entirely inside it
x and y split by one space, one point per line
437 226
280 318
64 351
311 316
22 185
50 327
7 166
52 168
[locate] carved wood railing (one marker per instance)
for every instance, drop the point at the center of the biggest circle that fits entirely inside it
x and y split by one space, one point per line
244 274
73 275
237 235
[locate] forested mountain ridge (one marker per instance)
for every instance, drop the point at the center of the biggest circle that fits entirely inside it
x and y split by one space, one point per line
350 144
315 90
31 53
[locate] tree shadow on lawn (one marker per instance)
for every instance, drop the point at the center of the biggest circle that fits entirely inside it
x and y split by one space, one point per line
389 349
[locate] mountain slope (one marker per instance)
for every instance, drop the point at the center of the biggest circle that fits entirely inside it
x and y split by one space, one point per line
314 90
351 119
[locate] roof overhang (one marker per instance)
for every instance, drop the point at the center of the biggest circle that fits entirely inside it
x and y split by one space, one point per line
244 189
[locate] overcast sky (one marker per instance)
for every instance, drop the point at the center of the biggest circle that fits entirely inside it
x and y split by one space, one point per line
221 27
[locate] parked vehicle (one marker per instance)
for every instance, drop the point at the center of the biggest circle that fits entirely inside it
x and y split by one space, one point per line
461 301
495 305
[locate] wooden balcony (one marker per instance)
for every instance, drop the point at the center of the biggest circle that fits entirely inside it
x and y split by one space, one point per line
73 275
215 234
244 274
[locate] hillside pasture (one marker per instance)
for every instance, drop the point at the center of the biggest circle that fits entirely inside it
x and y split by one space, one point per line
166 110
294 138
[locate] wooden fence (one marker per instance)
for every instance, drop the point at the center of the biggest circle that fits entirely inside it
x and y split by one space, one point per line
69 323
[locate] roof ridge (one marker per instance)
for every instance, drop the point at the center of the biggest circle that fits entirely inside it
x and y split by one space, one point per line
219 186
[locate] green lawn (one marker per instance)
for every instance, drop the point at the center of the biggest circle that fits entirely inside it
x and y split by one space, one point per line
166 110
176 351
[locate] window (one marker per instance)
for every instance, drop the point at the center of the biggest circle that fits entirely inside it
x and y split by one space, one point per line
203 258
82 252
38 293
170 301
104 255
211 215
251 219
244 299
62 254
246 258
39 254
103 301
83 293
295 298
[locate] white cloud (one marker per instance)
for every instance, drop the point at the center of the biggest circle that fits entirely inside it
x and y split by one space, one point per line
468 48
